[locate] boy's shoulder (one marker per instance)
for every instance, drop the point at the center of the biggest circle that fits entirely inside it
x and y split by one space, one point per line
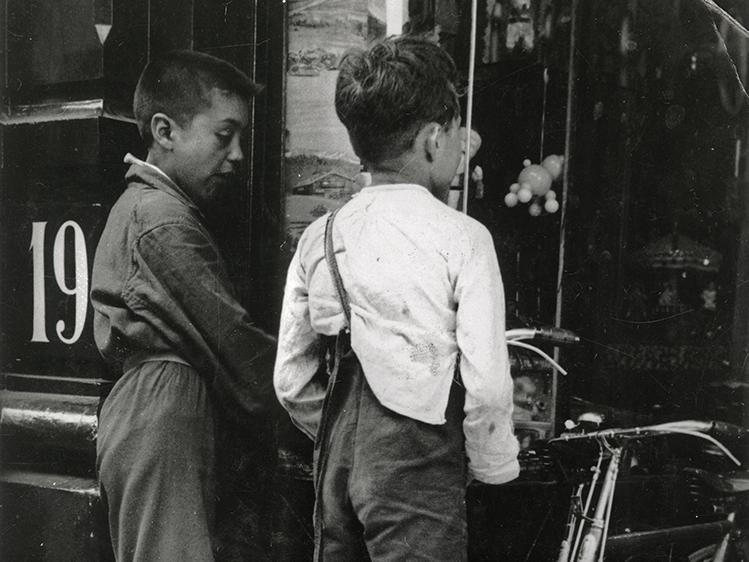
464 221
459 227
457 230
314 233
147 207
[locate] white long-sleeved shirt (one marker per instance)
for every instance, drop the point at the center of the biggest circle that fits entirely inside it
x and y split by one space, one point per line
425 289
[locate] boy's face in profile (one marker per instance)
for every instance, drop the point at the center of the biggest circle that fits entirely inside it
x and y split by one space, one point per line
207 151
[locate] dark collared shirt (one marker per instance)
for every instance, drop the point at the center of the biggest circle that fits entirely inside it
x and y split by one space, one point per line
160 287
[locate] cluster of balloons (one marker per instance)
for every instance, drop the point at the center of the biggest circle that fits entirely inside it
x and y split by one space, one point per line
534 185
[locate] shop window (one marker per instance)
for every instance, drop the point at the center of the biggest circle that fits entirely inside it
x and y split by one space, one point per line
644 252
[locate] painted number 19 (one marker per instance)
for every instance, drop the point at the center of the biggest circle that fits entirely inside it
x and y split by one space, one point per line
79 289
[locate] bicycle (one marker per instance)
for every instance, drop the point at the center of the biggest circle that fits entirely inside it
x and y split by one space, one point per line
587 537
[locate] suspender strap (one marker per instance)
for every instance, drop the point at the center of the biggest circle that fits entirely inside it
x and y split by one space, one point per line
322 438
333 266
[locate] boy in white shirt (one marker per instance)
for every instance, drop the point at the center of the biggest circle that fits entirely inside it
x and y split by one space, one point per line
422 378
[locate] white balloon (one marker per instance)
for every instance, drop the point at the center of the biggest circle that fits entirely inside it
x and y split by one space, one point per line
551 205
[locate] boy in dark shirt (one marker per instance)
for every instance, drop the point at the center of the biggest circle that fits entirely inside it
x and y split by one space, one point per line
166 317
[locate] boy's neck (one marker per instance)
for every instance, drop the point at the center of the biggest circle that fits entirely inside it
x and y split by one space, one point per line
156 163
157 160
403 170
389 178
398 170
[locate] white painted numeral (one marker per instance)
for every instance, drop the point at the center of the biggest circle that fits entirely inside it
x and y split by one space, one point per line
38 332
79 288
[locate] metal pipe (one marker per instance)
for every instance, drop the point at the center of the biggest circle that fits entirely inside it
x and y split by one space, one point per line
713 7
56 111
469 103
59 420
588 501
700 532
565 196
592 540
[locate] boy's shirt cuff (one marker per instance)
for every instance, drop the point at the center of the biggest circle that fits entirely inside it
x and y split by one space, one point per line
494 468
501 475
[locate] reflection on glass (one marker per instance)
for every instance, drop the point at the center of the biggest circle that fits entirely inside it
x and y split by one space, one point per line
320 163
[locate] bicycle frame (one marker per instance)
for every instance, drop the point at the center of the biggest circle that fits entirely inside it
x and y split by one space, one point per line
590 533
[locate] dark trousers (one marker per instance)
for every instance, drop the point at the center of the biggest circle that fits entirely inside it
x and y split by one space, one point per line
387 487
155 457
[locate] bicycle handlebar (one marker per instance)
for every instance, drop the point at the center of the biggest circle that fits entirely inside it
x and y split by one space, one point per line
557 336
695 428
721 429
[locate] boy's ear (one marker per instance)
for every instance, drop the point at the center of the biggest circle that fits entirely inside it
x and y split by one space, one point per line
162 130
432 133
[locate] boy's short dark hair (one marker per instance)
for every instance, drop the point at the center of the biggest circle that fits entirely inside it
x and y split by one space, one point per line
179 84
388 92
